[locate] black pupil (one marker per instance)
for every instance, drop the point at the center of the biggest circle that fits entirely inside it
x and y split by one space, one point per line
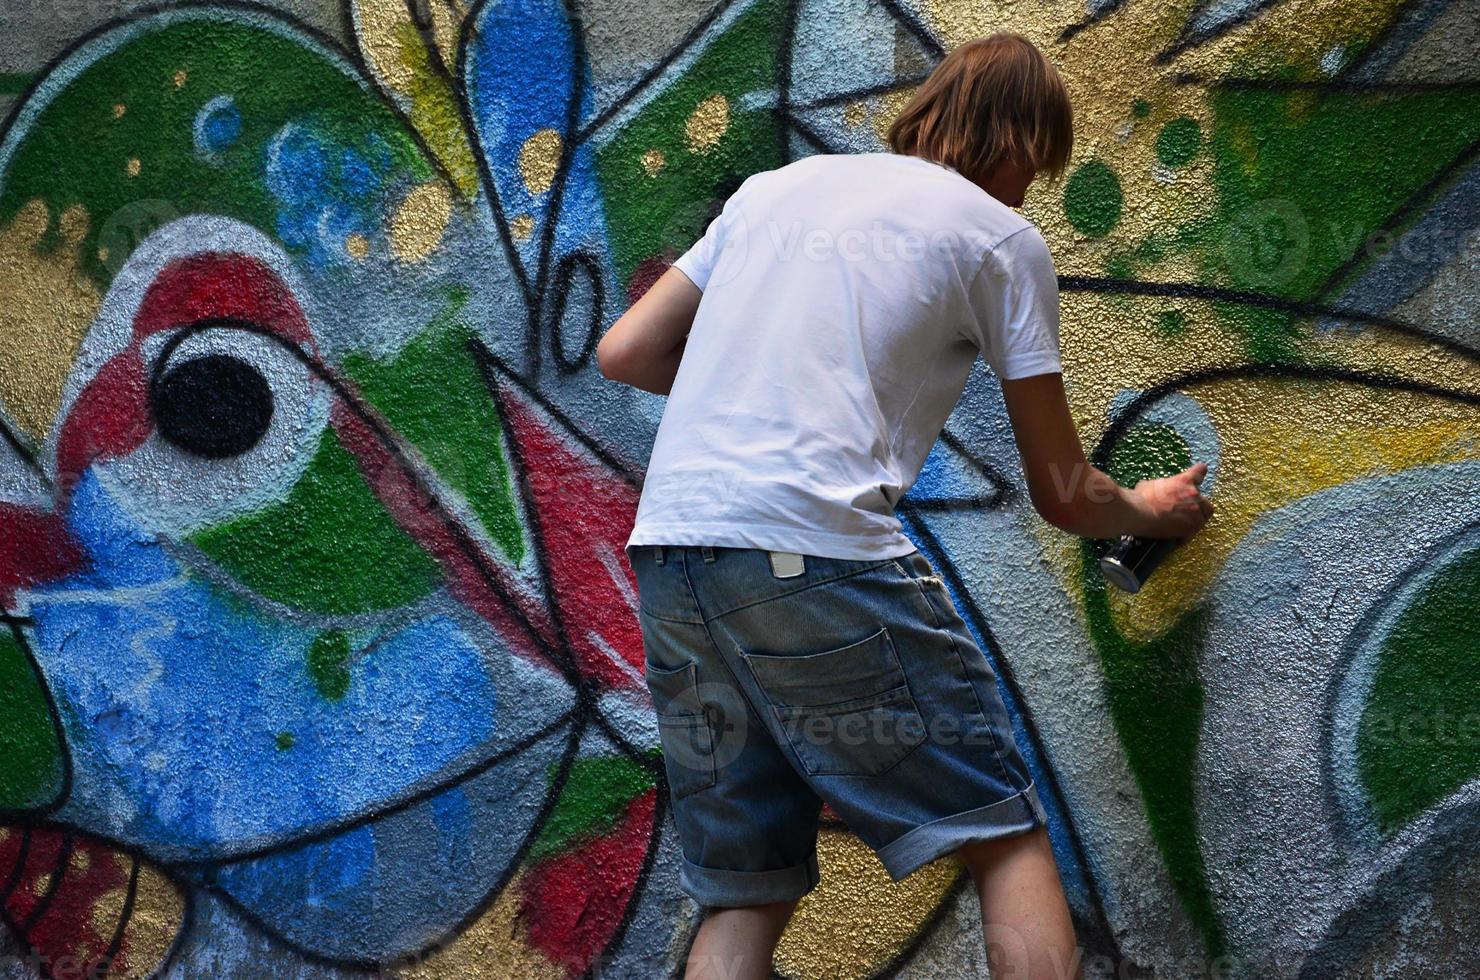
215 405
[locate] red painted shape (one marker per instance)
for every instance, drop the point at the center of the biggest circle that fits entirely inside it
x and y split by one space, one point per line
648 271
109 419
35 548
473 575
585 513
221 285
572 904
72 934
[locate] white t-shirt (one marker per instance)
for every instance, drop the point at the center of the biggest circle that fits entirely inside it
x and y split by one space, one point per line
846 297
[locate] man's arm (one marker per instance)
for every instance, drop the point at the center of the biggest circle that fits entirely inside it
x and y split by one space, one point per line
644 347
1079 498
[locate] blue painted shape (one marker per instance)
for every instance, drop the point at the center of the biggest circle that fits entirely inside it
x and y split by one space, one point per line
947 475
523 76
173 694
394 885
330 184
218 126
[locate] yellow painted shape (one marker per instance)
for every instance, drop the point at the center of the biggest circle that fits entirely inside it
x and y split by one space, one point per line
886 109
856 920
1298 32
1284 440
157 917
403 64
522 226
1111 65
418 224
45 311
653 162
493 947
539 160
357 245
707 124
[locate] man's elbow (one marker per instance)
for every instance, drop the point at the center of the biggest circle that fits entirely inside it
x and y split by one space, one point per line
610 361
1066 515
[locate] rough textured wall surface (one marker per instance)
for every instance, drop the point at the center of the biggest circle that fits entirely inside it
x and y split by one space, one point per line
319 655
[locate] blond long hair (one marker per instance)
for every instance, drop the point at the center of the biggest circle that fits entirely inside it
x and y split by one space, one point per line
991 99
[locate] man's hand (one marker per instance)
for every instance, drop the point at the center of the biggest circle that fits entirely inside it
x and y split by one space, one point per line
1176 503
644 347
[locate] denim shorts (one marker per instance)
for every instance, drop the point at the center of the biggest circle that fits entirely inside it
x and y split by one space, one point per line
782 682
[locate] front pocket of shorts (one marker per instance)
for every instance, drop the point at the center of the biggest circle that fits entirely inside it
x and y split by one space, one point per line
683 728
847 711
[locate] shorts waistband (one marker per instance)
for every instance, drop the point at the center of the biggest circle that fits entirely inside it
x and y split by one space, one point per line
784 564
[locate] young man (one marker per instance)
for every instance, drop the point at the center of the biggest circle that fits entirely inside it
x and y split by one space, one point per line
800 650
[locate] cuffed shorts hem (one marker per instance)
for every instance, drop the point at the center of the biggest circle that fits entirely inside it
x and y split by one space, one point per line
1017 814
717 888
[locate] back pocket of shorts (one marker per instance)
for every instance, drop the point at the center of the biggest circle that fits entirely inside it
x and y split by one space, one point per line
847 711
683 728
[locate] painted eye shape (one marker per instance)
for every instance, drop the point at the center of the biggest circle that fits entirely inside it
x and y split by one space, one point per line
236 413
214 405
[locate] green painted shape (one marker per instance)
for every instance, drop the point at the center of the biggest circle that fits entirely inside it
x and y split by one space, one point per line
1172 323
1417 741
1156 695
328 664
433 393
595 796
1346 164
1148 451
1179 142
1093 199
30 753
329 547
664 215
14 82
1302 179
77 152
284 741
1141 108
1156 704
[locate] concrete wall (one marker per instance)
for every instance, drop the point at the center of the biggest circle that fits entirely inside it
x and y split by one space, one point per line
319 654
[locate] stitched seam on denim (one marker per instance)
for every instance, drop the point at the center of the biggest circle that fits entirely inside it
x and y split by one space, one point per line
668 619
965 678
720 654
805 867
849 706
811 585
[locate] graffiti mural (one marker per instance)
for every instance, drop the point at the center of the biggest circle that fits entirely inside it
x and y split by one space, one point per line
319 652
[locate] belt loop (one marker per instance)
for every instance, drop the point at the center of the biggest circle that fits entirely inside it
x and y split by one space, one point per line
658 553
707 552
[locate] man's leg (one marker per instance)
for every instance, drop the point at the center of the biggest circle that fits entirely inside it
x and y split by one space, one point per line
738 943
1025 917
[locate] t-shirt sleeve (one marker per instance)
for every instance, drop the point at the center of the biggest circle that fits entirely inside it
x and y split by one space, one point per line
1014 315
699 261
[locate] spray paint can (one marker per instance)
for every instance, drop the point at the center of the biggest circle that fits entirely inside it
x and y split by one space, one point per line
1131 560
